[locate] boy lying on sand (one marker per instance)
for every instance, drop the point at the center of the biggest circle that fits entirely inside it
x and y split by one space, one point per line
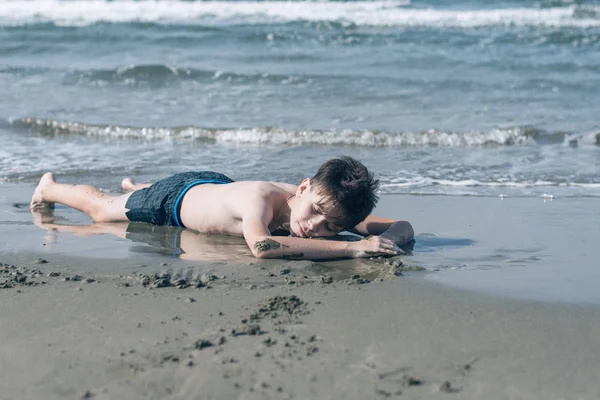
339 197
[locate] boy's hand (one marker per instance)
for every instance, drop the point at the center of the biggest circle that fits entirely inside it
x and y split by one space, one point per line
374 246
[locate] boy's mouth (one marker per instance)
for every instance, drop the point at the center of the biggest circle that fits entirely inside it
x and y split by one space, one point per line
302 233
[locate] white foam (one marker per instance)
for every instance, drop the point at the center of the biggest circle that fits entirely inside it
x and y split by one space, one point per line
427 182
588 138
279 136
370 13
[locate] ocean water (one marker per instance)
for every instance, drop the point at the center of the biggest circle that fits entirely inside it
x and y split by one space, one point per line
464 98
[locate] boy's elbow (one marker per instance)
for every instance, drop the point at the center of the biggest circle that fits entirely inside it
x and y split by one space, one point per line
409 230
401 232
259 254
266 254
265 247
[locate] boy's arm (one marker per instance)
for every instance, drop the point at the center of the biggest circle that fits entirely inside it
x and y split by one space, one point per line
400 232
255 224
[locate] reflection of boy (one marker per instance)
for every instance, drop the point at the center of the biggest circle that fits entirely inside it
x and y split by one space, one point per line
339 197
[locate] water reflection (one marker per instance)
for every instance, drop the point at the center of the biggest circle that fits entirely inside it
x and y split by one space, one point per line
151 239
190 245
429 243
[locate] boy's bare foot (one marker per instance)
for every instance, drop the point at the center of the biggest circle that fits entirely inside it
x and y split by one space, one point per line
127 185
37 200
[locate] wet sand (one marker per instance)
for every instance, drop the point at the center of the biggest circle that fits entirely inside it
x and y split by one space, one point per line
109 316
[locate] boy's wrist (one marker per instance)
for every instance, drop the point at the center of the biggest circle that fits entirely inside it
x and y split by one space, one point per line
354 249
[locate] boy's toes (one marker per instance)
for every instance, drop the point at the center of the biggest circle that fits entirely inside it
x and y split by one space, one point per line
37 200
38 204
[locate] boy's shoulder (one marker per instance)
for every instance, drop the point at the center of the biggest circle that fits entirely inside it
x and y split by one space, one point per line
270 189
280 186
260 191
266 187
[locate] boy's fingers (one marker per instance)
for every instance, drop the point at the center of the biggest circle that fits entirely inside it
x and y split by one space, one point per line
393 249
390 244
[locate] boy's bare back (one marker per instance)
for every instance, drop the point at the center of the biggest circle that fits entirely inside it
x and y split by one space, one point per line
214 208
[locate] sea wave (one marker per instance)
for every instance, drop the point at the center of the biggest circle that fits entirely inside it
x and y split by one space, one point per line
282 136
428 182
367 13
157 74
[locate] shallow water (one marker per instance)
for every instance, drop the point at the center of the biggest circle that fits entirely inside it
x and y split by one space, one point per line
527 248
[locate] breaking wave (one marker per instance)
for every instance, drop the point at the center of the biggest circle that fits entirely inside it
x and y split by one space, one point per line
428 182
366 13
282 136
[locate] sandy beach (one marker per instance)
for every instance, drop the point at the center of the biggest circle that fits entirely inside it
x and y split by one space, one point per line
116 315
114 338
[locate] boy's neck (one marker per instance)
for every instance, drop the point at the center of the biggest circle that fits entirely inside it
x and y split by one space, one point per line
282 217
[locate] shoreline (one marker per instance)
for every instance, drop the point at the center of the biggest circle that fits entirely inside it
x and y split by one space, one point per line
521 248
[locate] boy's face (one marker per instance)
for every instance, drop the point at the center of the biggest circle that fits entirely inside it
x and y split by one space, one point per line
306 217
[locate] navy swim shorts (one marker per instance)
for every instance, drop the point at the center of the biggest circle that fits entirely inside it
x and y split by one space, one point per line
160 203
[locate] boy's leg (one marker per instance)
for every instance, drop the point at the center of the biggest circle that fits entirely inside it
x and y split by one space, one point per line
129 186
88 199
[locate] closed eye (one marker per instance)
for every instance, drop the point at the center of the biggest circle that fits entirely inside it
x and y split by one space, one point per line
332 228
329 226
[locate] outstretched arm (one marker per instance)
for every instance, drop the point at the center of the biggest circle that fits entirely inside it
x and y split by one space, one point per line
400 232
263 245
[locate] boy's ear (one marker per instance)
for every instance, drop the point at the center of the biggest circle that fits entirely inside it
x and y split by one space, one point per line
303 187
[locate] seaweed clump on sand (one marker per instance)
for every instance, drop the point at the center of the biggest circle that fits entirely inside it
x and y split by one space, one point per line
272 306
356 279
395 267
166 279
11 276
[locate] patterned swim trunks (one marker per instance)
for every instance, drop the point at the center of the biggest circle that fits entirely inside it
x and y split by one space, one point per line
160 203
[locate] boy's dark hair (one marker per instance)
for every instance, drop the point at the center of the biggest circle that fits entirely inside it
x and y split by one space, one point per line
348 190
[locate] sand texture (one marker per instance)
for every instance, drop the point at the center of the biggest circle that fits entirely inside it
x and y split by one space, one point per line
82 335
